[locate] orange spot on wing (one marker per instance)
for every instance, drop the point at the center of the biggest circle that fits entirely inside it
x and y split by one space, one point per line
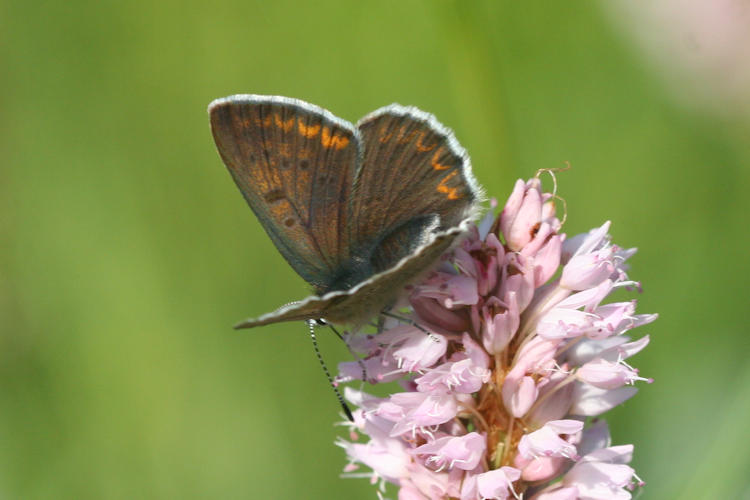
385 135
421 147
401 133
434 161
452 192
286 126
280 209
404 138
331 140
308 131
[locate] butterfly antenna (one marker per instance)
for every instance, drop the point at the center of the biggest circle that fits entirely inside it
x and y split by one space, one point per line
314 338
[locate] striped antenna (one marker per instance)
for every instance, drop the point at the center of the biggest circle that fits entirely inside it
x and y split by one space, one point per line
311 324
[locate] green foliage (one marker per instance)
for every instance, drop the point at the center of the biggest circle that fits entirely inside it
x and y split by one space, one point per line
127 252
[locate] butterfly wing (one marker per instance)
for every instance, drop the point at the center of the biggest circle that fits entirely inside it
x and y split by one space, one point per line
312 307
357 212
357 305
415 179
294 163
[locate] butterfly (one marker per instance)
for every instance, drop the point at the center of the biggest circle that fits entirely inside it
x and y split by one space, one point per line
357 211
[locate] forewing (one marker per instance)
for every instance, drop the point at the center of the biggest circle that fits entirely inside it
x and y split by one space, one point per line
294 163
412 169
310 308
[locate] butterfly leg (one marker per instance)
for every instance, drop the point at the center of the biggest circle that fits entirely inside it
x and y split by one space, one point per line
354 354
411 322
380 326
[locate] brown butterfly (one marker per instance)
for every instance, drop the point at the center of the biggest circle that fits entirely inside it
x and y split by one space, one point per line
358 211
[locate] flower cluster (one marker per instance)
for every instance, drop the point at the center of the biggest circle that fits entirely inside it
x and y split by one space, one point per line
497 398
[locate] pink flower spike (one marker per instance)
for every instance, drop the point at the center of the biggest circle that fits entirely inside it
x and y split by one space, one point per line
600 480
621 454
432 314
565 426
555 398
512 207
587 271
591 401
528 347
612 319
546 442
520 391
469 485
589 298
387 458
361 398
607 375
535 356
500 323
449 289
431 484
377 368
593 261
408 491
465 373
462 452
475 352
547 260
519 395
421 410
486 257
540 468
585 243
498 484
541 231
624 351
413 349
518 278
588 349
595 437
461 374
561 323
528 218
569 493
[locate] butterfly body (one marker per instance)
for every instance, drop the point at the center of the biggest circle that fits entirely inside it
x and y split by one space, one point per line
357 211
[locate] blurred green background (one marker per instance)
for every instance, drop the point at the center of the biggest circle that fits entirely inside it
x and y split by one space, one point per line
127 252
